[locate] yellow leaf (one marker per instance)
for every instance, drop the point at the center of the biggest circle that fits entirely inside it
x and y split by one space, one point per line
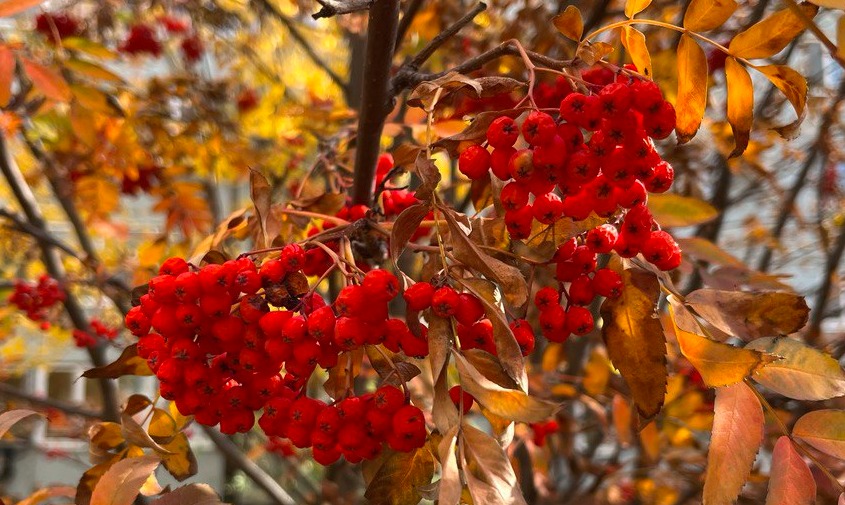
48 81
740 103
634 7
671 210
692 88
790 479
93 99
824 430
719 364
650 441
622 419
704 15
7 73
634 42
508 403
635 340
88 47
180 462
804 373
11 417
569 23
737 434
596 373
792 84
590 53
771 35
91 70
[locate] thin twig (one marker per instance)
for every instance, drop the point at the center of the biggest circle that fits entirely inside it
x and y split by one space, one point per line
407 19
302 41
332 8
445 35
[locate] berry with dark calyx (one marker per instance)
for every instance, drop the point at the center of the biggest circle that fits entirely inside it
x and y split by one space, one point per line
581 290
601 239
469 309
553 323
546 297
548 208
380 285
502 132
514 196
539 128
445 302
518 222
499 159
521 165
579 320
661 178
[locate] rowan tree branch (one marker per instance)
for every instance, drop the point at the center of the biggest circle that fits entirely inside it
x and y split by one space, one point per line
302 41
443 36
237 458
69 408
377 99
52 262
817 149
831 265
334 8
408 16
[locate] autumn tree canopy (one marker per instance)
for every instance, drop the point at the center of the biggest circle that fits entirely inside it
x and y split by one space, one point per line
384 251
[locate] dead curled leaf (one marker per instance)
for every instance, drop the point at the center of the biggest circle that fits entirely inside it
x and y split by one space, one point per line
750 315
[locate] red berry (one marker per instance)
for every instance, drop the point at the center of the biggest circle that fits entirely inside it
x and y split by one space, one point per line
502 132
474 162
539 128
608 283
581 290
514 196
445 301
579 320
418 296
469 309
548 208
461 398
602 238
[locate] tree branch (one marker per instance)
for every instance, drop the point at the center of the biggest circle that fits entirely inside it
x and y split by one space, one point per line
332 8
303 43
443 36
52 262
376 100
407 19
833 259
817 149
69 408
253 471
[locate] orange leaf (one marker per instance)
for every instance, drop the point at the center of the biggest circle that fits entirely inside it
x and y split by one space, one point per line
635 340
570 23
740 104
692 88
771 35
634 42
824 430
634 7
10 7
47 81
792 84
122 482
129 363
7 73
704 15
737 434
790 480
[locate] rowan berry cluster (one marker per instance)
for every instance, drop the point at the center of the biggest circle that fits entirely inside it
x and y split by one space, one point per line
223 332
143 39
61 24
474 329
597 157
101 331
35 299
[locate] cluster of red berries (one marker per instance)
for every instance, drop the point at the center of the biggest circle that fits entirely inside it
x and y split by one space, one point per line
59 24
474 329
394 201
100 332
222 334
560 173
35 299
192 48
543 430
141 40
